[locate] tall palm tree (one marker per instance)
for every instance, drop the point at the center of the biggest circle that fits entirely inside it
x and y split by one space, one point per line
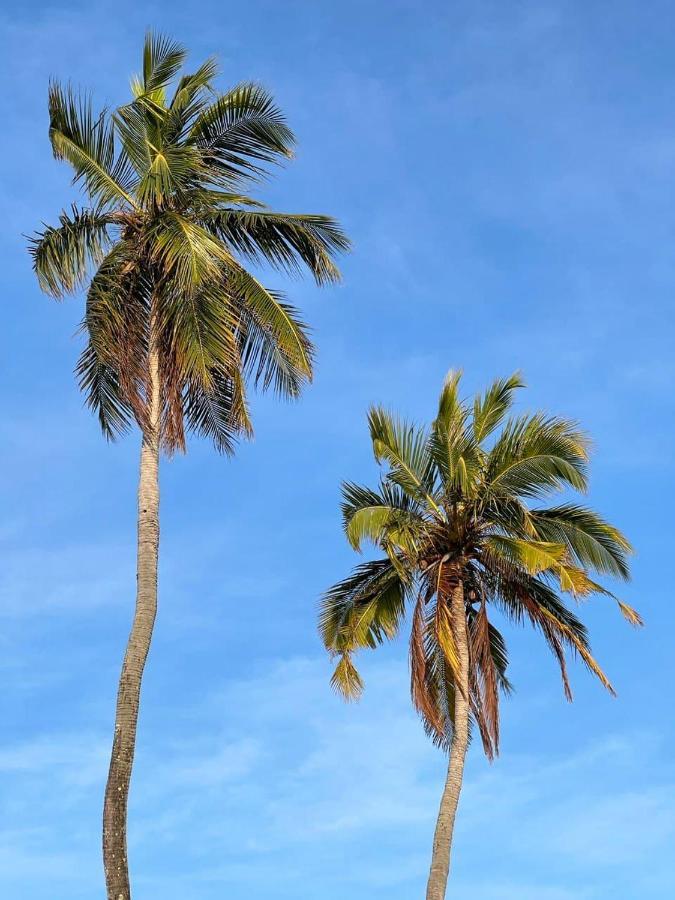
175 323
454 518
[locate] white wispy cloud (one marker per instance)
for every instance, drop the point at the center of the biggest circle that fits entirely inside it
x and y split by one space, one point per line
273 775
76 576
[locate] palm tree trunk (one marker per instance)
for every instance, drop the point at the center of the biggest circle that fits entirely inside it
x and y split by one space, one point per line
128 696
440 857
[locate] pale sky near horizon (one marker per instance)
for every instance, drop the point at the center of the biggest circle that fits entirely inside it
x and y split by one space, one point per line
507 174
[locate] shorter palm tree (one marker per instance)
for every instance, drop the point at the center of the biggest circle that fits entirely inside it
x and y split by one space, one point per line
454 518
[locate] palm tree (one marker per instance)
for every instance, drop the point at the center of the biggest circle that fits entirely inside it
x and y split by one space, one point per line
453 517
175 323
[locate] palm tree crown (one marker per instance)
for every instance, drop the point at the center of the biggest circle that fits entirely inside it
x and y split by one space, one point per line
456 505
167 227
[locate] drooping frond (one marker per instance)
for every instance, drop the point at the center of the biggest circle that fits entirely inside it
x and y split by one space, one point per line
423 696
521 596
346 680
485 677
285 240
387 518
99 381
219 413
533 557
112 367
576 581
444 637
198 325
186 254
500 659
63 256
431 680
363 609
366 514
276 350
590 540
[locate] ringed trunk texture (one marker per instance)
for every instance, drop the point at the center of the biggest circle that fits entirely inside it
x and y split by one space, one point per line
440 857
128 696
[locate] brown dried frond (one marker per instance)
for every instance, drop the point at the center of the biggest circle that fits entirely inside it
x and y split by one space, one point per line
422 698
484 682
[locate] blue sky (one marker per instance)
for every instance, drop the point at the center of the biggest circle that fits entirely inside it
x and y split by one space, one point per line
507 172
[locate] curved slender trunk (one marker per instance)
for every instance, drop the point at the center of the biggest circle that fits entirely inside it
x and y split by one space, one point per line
440 857
128 696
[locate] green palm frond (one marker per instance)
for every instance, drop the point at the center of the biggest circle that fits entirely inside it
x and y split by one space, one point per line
187 254
363 609
405 449
193 86
286 241
162 60
451 411
346 680
276 349
87 142
187 103
133 124
388 518
199 327
507 515
366 515
356 498
452 444
63 256
590 540
171 173
220 413
239 130
537 454
533 557
457 458
490 409
99 381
